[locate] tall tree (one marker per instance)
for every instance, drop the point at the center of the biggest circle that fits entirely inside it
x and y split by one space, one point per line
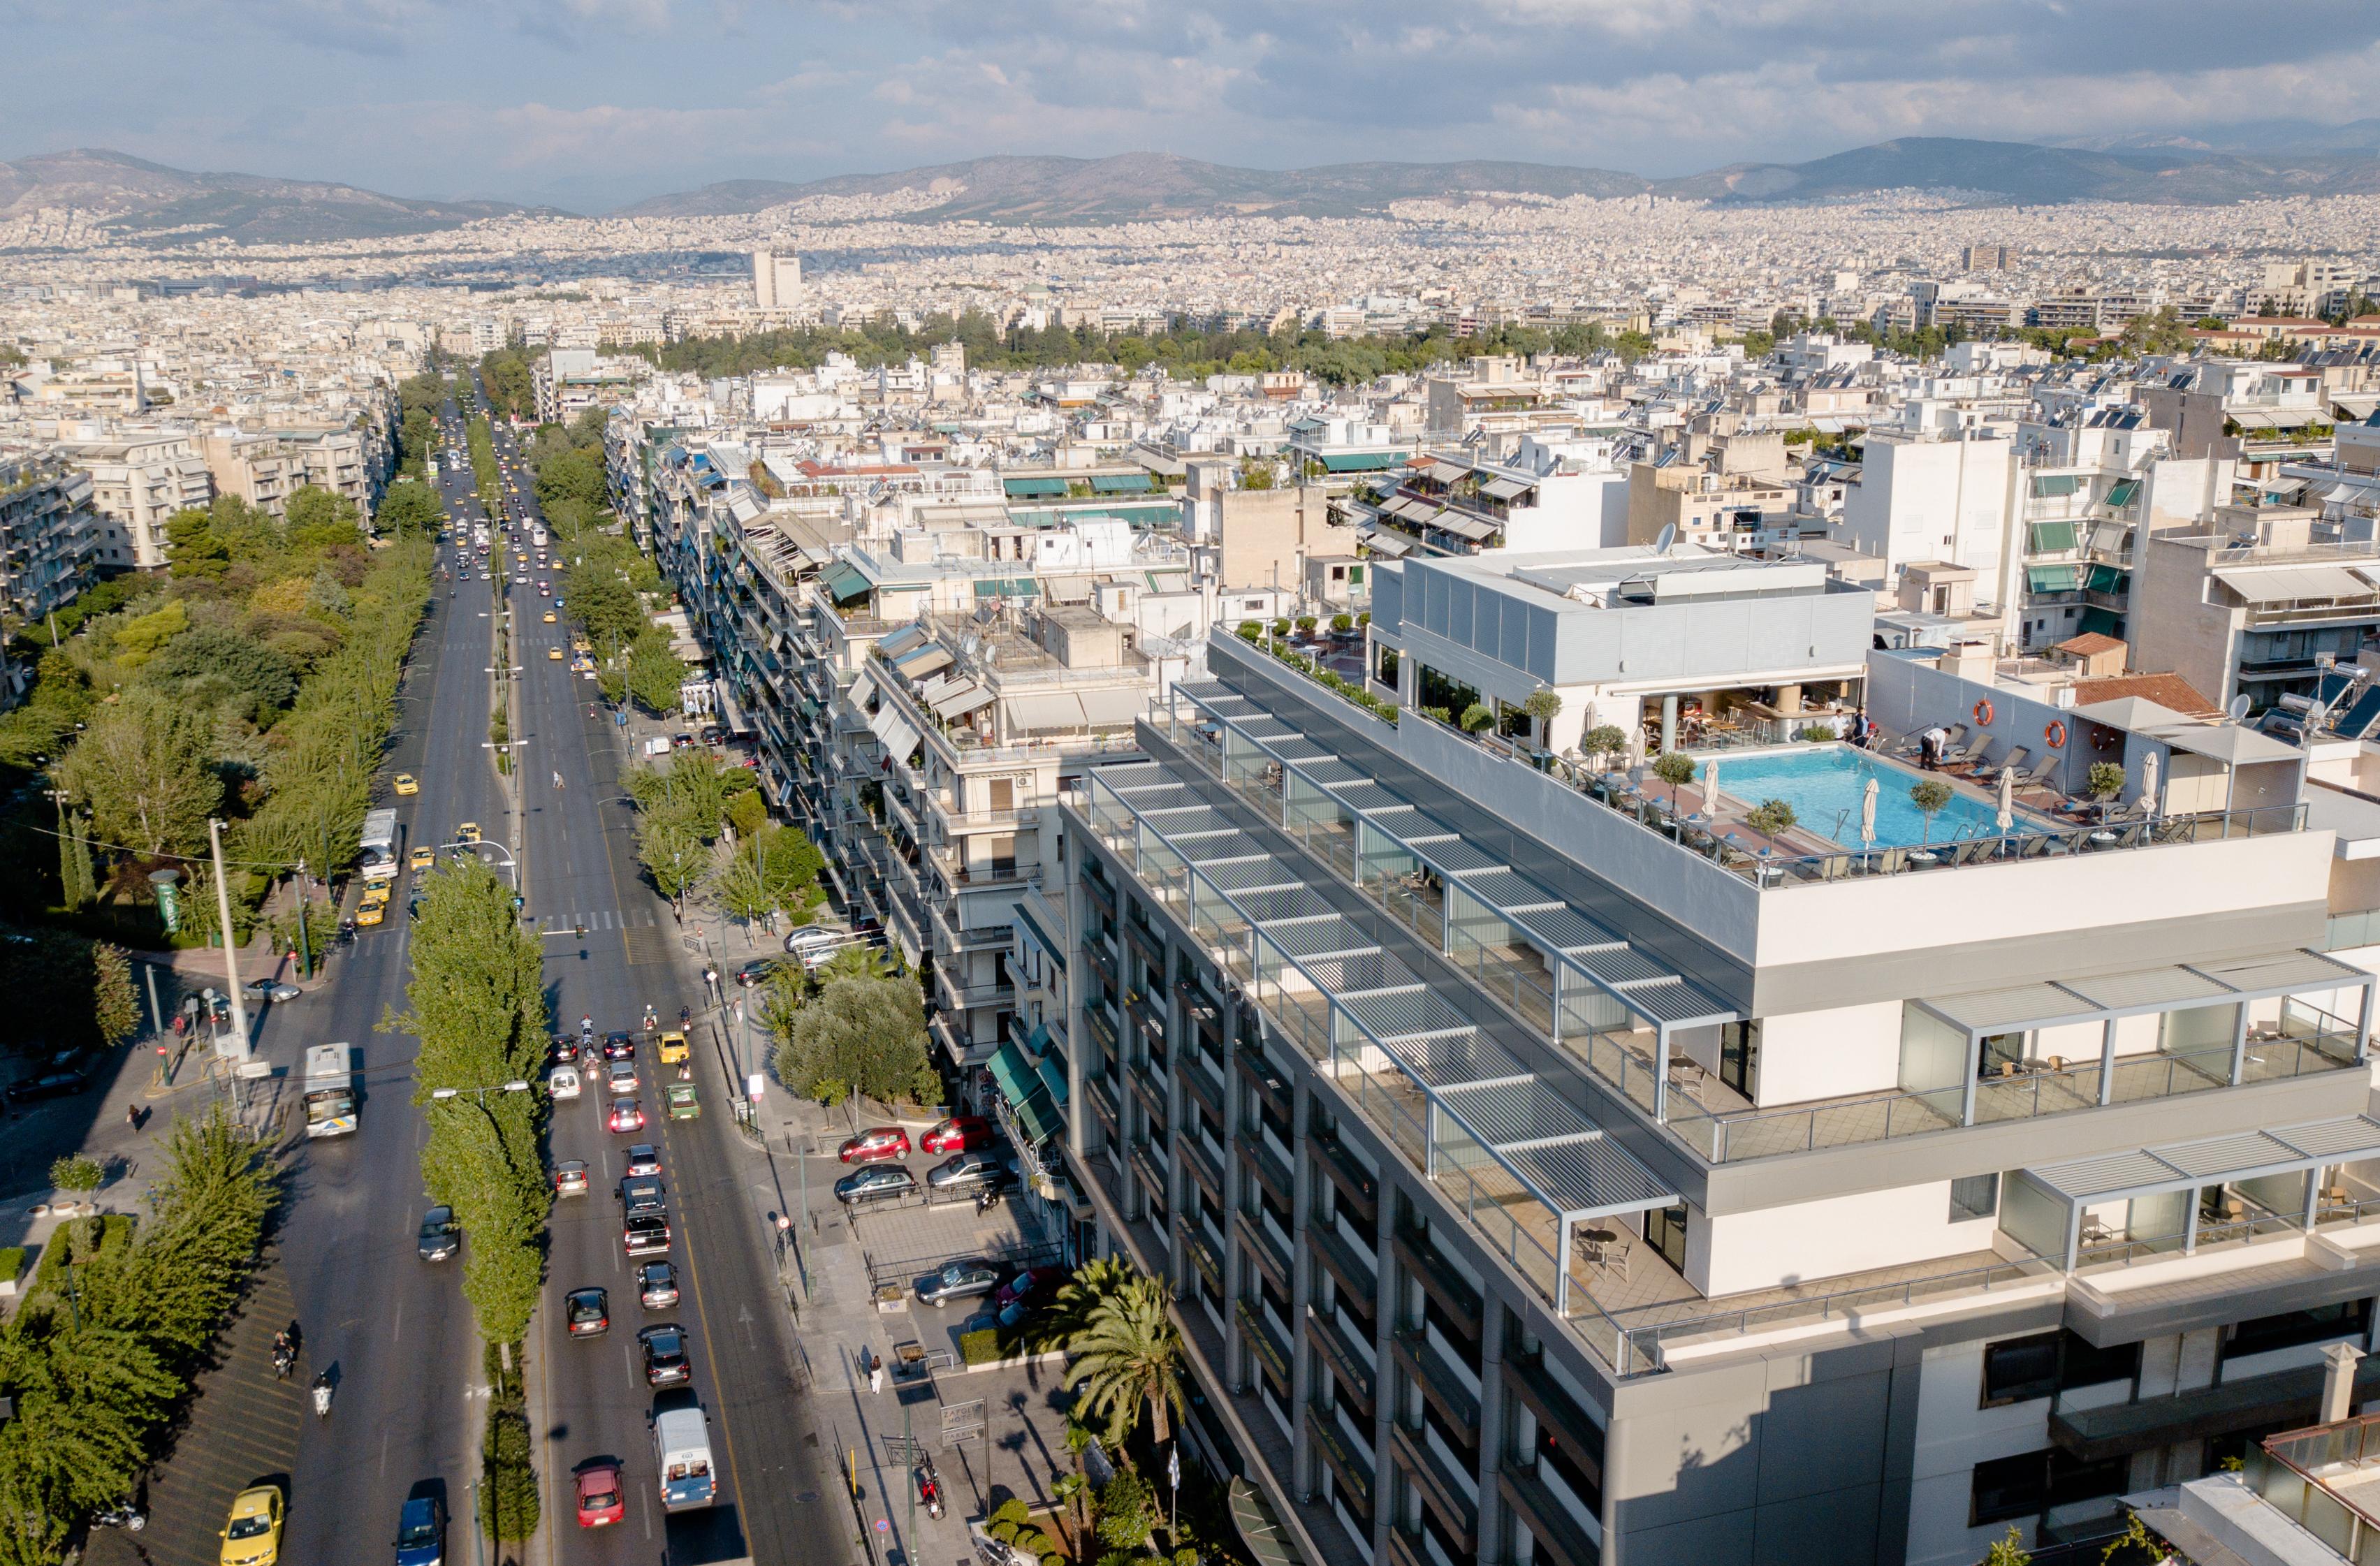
115 1004
143 770
1130 1358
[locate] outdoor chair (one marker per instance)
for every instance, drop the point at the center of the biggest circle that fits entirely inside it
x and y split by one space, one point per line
2012 762
1975 760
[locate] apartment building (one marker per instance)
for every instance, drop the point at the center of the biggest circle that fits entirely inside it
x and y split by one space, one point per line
564 382
265 466
1545 1174
1930 494
49 535
138 480
2258 603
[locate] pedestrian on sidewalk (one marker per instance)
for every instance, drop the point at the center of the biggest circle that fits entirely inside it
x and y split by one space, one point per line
875 1372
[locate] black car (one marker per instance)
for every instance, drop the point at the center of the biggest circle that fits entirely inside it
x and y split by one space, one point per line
640 1194
757 973
657 1285
966 1279
973 1170
666 1361
562 1053
65 1074
441 1235
619 1045
877 1183
647 1234
589 1311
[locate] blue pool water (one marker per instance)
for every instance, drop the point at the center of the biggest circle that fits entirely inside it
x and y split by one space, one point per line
1825 783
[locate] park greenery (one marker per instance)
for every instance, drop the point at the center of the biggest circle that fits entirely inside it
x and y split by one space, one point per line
681 809
255 681
851 1027
505 374
99 1354
1181 350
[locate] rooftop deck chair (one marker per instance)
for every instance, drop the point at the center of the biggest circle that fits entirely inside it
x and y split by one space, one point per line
1974 757
2012 762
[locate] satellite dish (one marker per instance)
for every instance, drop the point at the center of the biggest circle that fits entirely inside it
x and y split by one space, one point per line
1669 535
2239 709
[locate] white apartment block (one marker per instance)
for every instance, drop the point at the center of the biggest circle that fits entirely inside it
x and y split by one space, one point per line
138 480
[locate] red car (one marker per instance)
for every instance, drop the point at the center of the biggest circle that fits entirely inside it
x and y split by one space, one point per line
626 1115
873 1146
1033 1286
600 1501
960 1133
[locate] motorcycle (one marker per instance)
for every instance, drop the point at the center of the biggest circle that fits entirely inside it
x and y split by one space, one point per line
930 1490
127 1516
285 1359
323 1395
987 1199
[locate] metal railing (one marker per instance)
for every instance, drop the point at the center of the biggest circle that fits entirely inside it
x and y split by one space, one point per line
2294 1472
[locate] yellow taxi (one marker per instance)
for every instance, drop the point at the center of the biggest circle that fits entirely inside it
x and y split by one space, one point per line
422 859
548 616
252 1534
673 1050
407 784
580 644
369 913
468 832
554 655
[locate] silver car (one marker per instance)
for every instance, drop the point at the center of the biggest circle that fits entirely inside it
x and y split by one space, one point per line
966 1279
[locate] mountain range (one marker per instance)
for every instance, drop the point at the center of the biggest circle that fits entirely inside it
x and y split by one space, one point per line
149 201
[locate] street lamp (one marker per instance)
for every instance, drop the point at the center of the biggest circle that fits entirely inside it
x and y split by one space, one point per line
480 1093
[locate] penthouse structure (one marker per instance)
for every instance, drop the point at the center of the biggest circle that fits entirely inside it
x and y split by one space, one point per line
1552 1168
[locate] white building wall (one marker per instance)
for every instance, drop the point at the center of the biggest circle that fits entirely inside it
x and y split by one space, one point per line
1841 1234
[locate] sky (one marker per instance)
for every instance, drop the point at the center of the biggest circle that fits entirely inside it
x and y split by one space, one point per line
588 105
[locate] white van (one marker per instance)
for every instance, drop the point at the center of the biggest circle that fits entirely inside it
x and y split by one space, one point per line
562 1083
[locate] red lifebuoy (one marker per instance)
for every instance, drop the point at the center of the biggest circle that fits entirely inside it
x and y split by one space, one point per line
1984 711
2054 734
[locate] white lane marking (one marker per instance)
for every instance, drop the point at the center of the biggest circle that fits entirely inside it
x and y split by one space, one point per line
396 1330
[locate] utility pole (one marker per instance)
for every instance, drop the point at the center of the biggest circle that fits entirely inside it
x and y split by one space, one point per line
305 946
231 951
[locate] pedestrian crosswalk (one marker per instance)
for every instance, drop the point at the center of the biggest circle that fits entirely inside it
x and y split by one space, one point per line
595 919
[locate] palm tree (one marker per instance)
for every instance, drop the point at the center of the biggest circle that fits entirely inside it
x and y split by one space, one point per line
1069 1315
1131 1356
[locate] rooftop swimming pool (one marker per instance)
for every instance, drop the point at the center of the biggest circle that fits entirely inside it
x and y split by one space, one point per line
1825 783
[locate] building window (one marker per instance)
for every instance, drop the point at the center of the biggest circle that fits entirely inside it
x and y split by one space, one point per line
1582 1471
2008 1487
1977 1195
1665 1232
2081 1365
2291 1327
2020 1368
1739 1057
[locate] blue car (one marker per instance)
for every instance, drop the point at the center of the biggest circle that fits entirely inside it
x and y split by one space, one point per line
422 1531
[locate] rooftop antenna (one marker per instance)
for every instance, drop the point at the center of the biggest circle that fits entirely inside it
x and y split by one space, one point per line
1669 535
2238 708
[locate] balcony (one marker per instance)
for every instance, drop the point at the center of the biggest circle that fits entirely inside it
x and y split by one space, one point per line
1443 1490
1358 1188
1267 1166
1203 1165
1348 1356
1263 1341
1559 1540
1151 1173
1268 1253
1440 1280
1436 1379
1201 1082
1103 1105
1352 1268
1150 1090
1203 1256
1340 1453
1257 1071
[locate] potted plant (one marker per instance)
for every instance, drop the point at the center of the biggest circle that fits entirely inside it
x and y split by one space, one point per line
1543 706
1677 769
2104 782
1603 742
1771 818
1478 718
1929 795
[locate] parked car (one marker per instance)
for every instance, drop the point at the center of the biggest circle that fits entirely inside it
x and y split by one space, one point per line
440 1236
757 972
657 1285
875 1145
966 1279
645 1235
570 1178
626 1115
1031 1286
814 945
666 1359
562 1082
587 1311
600 1503
960 1133
968 1172
880 1182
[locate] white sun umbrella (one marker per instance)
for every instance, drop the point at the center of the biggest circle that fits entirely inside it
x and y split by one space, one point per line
1710 787
2149 784
1867 814
2006 816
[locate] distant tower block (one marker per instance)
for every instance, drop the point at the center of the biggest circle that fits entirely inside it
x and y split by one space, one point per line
776 279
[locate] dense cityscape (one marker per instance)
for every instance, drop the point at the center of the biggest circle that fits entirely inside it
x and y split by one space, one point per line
1122 859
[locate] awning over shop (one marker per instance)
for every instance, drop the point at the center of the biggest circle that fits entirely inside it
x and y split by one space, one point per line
1033 488
846 582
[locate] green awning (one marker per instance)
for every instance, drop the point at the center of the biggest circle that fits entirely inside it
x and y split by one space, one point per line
845 583
1039 1120
1120 483
2052 578
2122 495
2047 486
1359 461
2109 579
1017 1080
1052 1071
1033 488
2052 537
1007 587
